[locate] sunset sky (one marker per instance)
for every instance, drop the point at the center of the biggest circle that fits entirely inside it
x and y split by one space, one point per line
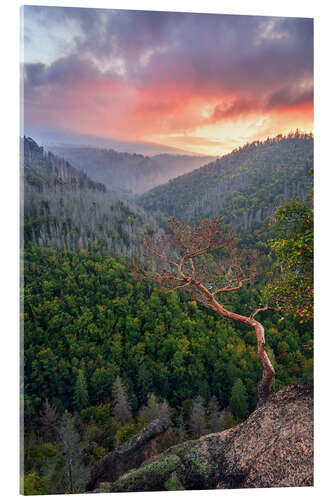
203 83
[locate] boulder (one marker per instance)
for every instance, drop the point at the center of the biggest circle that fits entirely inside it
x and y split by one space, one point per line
272 448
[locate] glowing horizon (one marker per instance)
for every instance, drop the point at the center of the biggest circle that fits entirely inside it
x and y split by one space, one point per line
202 83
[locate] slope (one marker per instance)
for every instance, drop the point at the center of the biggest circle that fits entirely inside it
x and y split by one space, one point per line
272 448
64 208
244 186
134 173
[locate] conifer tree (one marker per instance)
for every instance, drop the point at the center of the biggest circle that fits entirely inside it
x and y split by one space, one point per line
165 411
197 418
75 474
49 419
214 415
151 411
238 402
180 429
81 397
122 411
154 409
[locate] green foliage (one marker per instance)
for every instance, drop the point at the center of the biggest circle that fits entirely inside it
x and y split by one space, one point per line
229 421
293 251
243 187
238 403
115 350
173 483
72 472
81 397
89 321
34 485
83 307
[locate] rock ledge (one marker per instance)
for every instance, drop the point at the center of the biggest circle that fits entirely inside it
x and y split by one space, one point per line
272 448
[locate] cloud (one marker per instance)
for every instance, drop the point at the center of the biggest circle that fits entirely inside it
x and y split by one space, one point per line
236 108
289 97
134 73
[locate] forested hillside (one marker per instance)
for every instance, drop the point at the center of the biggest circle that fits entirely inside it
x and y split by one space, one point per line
64 208
244 187
88 320
106 352
132 173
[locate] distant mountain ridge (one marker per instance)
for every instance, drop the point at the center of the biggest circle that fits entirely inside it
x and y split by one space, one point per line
65 209
134 173
41 167
56 137
243 187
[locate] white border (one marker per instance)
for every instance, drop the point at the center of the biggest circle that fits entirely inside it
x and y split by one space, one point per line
9 324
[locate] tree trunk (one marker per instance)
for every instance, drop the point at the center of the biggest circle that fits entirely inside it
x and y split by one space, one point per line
70 476
265 385
264 388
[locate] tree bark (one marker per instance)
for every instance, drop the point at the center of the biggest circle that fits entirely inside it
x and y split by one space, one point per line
265 386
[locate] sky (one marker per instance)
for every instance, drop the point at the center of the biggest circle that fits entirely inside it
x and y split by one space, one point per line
203 83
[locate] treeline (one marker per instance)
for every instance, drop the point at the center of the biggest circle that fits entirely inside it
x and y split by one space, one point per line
245 186
59 455
44 168
63 208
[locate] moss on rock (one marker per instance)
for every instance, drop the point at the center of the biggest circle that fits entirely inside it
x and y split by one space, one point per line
273 447
173 483
149 477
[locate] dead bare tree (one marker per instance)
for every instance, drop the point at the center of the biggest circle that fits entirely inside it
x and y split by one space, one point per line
206 262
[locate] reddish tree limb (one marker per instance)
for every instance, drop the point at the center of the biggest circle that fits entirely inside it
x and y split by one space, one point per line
264 308
195 242
228 289
264 388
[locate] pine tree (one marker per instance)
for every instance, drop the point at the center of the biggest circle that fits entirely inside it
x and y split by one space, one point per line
49 419
154 409
180 429
238 402
165 412
75 474
151 411
214 415
81 397
121 411
197 418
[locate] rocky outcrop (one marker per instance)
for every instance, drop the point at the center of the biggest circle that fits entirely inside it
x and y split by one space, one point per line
131 454
272 448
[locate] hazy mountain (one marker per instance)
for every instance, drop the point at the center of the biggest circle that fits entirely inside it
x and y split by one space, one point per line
43 168
64 208
135 173
244 186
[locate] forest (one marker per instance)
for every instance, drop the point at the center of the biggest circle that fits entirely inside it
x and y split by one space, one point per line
106 352
244 187
129 173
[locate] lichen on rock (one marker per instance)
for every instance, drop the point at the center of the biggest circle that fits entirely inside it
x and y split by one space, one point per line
272 448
